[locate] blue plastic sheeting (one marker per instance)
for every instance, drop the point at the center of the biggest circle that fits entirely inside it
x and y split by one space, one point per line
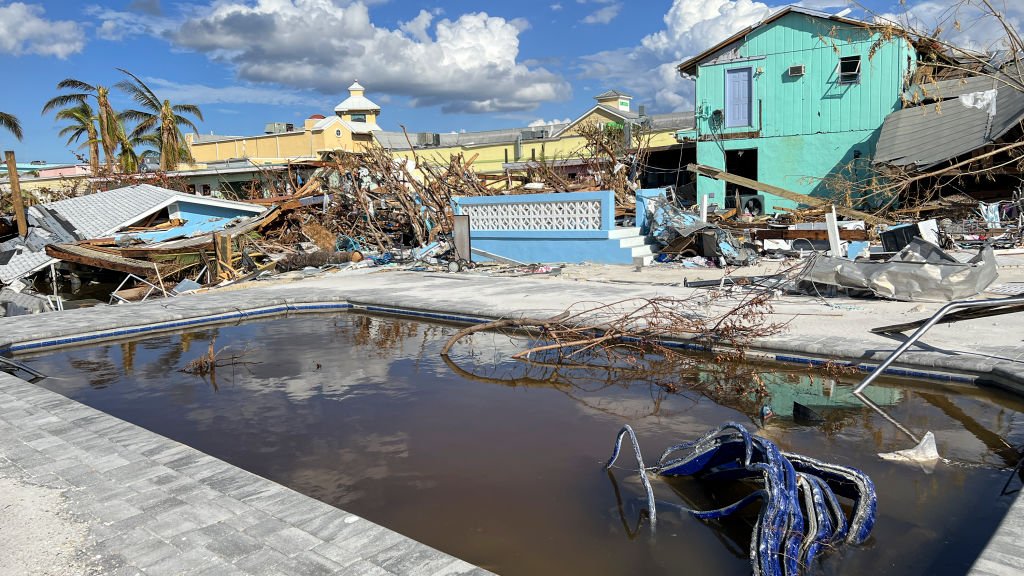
800 512
190 228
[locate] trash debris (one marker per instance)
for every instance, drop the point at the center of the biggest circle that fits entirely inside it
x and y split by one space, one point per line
800 513
925 451
921 271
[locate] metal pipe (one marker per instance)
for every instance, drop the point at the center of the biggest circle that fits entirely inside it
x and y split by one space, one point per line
927 326
867 402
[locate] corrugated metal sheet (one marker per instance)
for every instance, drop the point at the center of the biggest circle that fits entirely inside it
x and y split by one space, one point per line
95 215
923 136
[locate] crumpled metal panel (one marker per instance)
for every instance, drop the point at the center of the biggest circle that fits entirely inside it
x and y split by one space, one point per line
921 272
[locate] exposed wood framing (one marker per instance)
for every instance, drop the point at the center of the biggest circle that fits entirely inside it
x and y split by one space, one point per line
718 174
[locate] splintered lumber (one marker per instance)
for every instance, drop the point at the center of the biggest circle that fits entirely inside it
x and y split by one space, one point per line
16 200
99 259
811 201
787 234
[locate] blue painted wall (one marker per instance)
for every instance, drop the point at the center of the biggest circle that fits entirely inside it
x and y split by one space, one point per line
199 219
804 128
550 246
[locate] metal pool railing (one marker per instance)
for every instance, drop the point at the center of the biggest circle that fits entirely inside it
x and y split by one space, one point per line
935 319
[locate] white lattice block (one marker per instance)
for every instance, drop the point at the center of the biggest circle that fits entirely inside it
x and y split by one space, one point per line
567 215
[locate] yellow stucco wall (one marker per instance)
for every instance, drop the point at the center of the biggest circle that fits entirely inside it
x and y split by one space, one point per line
489 158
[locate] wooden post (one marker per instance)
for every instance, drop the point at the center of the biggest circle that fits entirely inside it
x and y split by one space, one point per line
19 206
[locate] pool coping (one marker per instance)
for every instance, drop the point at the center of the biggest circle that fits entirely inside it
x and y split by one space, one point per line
797 355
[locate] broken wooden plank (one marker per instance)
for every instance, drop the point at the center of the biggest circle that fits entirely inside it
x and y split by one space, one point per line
97 259
787 234
718 174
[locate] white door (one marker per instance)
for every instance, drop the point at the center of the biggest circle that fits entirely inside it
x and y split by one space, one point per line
737 97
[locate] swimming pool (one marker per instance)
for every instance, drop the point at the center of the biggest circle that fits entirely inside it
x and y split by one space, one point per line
503 467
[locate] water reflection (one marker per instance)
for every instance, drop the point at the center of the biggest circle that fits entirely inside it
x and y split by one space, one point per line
487 458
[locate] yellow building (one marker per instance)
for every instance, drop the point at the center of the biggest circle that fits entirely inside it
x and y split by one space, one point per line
354 125
350 128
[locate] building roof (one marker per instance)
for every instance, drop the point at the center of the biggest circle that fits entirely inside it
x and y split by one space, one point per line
398 141
689 67
356 86
609 94
964 116
97 215
624 115
357 104
361 127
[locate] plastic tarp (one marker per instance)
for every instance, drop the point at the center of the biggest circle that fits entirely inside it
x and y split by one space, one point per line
921 272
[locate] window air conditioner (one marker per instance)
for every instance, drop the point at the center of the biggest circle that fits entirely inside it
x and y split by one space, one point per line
797 70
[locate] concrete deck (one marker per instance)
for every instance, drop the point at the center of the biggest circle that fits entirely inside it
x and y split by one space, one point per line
985 351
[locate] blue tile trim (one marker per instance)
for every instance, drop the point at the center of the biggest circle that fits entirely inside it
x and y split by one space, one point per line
457 318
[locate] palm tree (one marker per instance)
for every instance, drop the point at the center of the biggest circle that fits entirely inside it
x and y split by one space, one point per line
83 123
10 122
160 118
105 115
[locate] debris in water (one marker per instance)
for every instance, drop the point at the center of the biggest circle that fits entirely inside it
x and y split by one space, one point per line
800 512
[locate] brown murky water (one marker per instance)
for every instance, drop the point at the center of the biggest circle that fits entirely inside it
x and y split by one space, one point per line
361 412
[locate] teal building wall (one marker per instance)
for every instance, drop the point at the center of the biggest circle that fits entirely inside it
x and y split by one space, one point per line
804 128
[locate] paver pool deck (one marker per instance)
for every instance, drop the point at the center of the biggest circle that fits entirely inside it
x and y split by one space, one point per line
156 506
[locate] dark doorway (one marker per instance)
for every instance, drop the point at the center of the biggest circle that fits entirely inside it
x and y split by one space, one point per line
743 163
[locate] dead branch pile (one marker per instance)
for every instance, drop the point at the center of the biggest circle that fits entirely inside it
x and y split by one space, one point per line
636 335
380 201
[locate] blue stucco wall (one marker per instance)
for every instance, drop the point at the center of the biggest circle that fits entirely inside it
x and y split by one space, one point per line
550 246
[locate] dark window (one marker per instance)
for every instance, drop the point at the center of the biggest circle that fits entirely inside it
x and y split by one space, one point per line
506 155
849 70
359 117
533 153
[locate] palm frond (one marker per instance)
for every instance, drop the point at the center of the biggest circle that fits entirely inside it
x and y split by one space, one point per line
139 91
11 123
65 100
182 121
72 84
188 109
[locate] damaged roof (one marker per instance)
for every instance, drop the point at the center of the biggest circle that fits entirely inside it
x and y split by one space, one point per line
962 116
91 216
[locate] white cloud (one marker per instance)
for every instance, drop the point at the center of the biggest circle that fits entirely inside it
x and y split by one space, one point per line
541 122
603 15
555 7
965 25
649 69
201 94
466 64
24 30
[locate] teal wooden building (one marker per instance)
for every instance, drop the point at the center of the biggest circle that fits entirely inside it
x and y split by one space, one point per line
792 100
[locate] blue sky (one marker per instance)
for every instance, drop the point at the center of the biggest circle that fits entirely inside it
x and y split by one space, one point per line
443 65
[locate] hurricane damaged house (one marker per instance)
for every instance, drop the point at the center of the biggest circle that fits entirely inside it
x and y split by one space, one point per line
958 135
66 230
791 101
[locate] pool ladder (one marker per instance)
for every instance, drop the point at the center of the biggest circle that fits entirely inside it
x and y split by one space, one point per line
935 319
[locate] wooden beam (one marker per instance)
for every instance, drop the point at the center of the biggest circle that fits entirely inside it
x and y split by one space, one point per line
711 172
786 234
19 205
101 260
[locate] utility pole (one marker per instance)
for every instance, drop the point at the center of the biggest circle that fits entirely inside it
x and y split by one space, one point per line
19 206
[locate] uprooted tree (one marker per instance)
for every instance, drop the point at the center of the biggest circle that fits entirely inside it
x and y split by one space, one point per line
634 339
